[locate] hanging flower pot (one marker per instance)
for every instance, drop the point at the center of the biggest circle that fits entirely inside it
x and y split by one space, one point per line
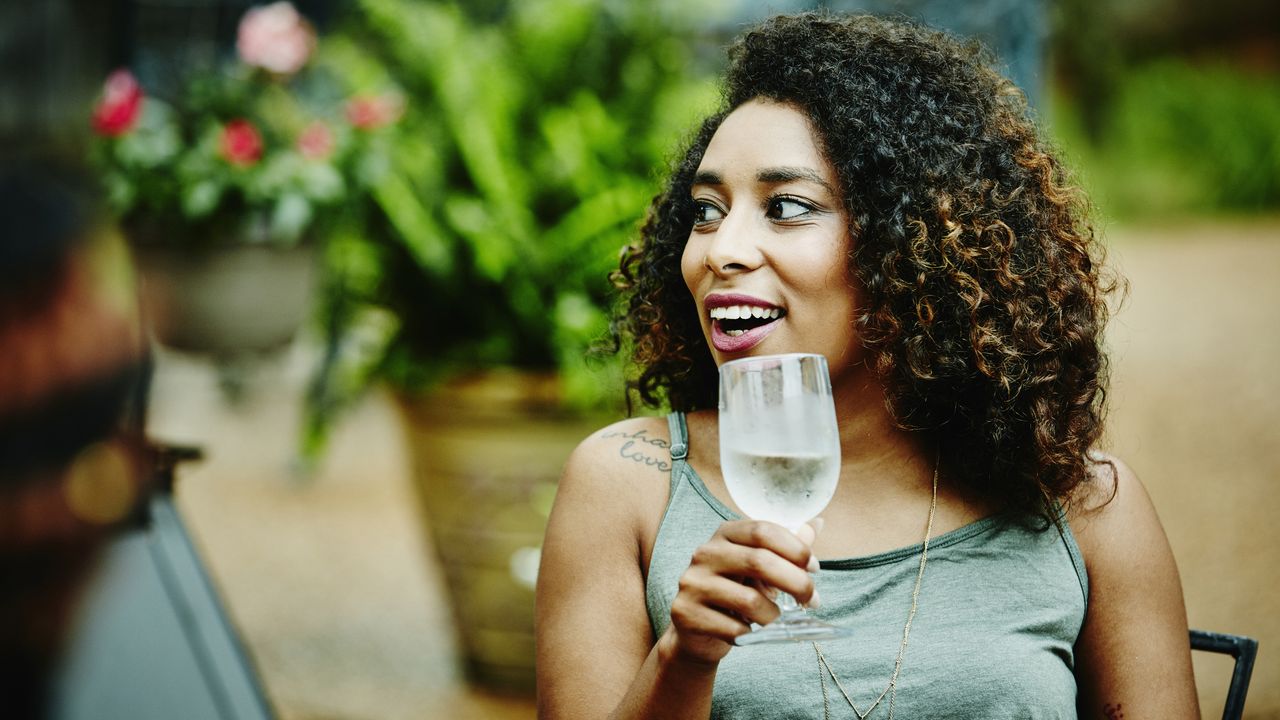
227 300
227 182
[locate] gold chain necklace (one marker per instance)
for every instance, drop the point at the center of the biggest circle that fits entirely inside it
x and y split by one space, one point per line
824 667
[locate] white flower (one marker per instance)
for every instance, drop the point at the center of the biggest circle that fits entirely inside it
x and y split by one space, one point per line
276 38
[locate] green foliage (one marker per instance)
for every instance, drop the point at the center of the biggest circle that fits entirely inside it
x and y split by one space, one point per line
1183 139
530 149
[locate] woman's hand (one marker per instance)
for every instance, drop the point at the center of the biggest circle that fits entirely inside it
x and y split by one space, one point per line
727 586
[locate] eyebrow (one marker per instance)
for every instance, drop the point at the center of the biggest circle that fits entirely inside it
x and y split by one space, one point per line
769 176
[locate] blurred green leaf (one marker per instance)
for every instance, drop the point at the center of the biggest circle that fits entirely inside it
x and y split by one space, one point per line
120 192
322 181
290 217
201 199
421 234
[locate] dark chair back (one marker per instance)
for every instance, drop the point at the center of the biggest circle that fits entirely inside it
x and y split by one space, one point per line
1244 650
154 640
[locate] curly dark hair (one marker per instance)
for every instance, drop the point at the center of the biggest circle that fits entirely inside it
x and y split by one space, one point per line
985 296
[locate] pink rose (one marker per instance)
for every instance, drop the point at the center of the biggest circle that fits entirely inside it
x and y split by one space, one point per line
121 104
276 38
369 112
240 144
316 141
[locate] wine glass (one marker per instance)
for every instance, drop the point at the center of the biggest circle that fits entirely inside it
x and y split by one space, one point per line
780 457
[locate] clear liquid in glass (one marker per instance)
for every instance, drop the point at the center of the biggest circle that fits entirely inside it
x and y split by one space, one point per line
786 488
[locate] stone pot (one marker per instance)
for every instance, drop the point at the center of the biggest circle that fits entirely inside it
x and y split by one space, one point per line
227 300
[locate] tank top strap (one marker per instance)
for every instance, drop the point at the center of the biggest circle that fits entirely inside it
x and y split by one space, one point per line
679 449
682 470
1073 549
679 436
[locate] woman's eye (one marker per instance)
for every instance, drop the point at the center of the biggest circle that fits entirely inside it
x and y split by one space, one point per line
787 209
705 212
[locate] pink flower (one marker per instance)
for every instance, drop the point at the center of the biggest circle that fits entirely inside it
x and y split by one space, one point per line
121 104
276 38
369 112
316 141
240 144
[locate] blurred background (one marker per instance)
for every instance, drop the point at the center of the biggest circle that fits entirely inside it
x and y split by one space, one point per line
373 240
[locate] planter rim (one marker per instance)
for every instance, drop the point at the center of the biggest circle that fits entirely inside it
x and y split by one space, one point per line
496 393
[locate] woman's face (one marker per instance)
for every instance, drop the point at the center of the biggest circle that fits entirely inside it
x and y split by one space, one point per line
767 260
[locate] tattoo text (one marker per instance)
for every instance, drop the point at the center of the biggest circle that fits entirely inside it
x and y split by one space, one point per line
639 454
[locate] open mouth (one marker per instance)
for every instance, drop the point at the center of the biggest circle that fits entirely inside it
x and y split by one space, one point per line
737 320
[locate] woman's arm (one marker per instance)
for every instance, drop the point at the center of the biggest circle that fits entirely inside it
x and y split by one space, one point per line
1133 656
596 653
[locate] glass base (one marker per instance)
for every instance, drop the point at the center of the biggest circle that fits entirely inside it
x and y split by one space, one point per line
796 626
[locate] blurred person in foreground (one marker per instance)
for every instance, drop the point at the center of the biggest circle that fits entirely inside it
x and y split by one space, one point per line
73 358
872 191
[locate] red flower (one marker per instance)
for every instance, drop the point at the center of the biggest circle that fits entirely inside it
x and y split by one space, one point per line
370 112
316 142
121 104
240 145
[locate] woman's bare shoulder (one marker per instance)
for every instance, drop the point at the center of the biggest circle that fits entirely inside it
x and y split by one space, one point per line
1112 512
1110 479
628 450
621 471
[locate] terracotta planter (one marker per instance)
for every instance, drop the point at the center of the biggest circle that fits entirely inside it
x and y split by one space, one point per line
487 453
227 300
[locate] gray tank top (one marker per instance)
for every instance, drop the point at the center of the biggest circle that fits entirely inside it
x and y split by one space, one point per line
1000 607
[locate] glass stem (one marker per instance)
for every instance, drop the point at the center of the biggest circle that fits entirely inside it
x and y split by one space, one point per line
787 604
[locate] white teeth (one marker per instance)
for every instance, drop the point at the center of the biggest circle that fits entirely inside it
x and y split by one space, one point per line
739 312
734 333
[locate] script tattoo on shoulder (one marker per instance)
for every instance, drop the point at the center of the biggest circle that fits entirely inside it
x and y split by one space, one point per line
1113 712
642 449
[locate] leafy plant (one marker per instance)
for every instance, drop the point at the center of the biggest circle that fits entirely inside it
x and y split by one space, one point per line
527 160
1181 138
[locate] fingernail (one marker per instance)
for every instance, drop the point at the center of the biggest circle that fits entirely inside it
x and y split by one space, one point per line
817 524
814 601
813 566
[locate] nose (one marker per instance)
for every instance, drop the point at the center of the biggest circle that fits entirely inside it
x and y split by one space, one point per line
734 247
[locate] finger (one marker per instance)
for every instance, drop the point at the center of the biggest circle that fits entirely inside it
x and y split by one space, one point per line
739 593
769 536
767 568
809 531
807 534
694 618
747 601
814 602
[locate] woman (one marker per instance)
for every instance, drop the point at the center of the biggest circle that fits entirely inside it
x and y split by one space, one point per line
871 191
